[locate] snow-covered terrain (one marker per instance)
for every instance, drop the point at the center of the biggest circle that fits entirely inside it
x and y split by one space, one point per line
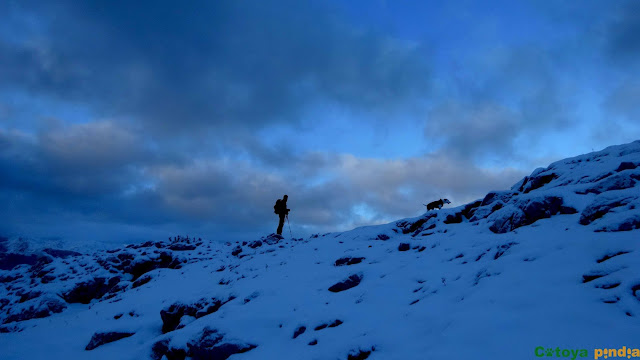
554 262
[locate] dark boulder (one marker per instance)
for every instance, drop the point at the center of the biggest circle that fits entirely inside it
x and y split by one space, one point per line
10 260
299 331
99 339
351 282
529 211
255 244
348 261
84 292
617 182
181 247
172 315
626 165
404 247
535 182
210 346
162 348
600 206
41 308
63 254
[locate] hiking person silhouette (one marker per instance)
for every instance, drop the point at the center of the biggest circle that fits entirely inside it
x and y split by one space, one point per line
280 208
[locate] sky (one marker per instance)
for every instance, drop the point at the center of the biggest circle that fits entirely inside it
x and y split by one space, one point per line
129 121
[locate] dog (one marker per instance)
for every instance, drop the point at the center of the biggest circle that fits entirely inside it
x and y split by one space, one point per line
437 204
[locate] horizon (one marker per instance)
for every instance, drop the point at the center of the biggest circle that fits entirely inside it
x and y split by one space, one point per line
129 122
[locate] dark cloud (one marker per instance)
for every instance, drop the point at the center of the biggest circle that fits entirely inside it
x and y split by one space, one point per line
217 64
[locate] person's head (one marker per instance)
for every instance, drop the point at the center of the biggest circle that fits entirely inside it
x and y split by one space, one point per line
285 198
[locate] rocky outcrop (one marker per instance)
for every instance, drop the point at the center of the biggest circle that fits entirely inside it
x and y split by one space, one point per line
211 344
348 260
172 315
99 339
36 309
526 212
84 292
349 283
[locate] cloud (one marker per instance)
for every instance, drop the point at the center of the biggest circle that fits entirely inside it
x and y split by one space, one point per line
218 65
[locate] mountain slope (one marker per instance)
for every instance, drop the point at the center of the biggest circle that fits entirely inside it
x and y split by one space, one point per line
552 262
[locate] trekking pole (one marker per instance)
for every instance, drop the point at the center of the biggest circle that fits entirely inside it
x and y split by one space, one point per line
289 226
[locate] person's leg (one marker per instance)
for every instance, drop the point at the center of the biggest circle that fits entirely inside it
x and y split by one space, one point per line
281 224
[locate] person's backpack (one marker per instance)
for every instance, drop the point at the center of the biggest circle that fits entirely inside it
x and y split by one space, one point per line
276 207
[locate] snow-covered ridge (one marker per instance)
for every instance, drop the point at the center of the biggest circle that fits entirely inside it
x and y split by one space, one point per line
459 283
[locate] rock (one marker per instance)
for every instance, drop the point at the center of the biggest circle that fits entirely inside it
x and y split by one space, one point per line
41 308
84 292
171 316
162 349
63 254
255 244
210 346
626 165
181 247
272 239
535 182
141 281
99 339
237 250
382 237
415 227
359 354
617 182
404 247
628 224
10 260
602 205
351 282
299 331
529 211
348 261
141 266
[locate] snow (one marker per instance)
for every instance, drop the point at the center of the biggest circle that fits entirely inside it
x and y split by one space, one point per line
461 291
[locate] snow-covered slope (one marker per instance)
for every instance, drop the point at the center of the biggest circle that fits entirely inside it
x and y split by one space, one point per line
553 262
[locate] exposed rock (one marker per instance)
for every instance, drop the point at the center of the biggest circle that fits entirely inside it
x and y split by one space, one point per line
348 261
41 308
600 206
335 323
237 250
359 354
617 182
351 282
535 182
382 237
404 247
529 211
171 315
10 260
181 247
415 227
162 348
210 346
272 239
141 281
141 266
628 224
626 165
84 292
63 254
255 244
299 331
99 339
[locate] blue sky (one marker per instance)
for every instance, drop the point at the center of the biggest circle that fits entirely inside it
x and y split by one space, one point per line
132 121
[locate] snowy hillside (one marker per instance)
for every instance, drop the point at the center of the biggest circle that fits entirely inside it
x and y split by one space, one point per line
554 262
